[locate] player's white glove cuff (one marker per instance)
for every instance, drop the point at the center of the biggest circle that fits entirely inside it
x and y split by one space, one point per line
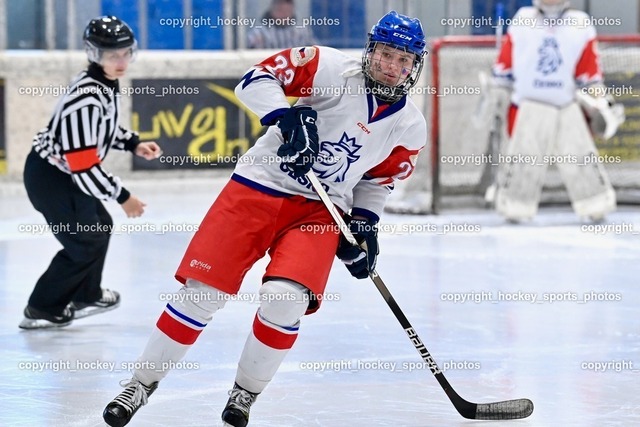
360 256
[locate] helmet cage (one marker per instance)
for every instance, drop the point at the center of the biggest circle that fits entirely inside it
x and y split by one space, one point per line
384 91
551 10
394 31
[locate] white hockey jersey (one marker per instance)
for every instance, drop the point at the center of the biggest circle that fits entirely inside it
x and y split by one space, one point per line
546 60
365 145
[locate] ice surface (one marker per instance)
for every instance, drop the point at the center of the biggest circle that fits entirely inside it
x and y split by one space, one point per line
496 350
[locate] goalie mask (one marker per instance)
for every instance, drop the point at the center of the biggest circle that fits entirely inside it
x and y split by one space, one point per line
551 8
393 56
108 34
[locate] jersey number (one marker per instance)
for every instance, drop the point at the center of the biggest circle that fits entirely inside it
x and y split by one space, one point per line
281 64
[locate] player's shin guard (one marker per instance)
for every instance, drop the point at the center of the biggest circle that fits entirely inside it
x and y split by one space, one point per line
275 329
178 327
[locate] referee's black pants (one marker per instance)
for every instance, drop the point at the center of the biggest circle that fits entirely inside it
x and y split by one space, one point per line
81 224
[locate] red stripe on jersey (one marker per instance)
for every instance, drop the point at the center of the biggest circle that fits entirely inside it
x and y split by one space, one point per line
504 62
294 68
380 109
588 67
83 159
399 165
272 337
177 331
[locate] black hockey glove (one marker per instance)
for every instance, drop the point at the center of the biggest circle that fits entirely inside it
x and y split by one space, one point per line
360 260
300 148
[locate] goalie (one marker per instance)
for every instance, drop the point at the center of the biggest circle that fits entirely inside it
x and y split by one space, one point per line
551 72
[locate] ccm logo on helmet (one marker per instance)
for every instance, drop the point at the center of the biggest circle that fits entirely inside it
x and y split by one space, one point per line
402 36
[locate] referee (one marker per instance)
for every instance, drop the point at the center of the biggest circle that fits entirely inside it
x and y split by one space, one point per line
65 180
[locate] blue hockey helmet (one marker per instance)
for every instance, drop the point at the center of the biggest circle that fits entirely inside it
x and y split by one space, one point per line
398 32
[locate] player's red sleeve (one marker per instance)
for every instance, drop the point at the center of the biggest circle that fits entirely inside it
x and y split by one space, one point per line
399 165
588 69
294 68
504 61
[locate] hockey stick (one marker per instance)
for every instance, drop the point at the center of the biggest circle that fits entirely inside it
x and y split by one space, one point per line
506 410
495 132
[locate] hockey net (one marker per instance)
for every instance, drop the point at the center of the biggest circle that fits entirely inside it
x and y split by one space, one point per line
442 181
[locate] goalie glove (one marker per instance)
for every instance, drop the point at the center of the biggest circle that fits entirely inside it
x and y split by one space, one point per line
605 116
360 260
300 148
495 97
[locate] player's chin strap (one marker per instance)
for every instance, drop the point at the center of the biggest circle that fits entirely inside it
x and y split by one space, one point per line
505 410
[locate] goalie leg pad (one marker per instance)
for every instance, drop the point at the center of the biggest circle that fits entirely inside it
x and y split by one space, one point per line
521 166
587 182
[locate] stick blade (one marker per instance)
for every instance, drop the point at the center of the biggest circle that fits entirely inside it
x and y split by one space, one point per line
507 410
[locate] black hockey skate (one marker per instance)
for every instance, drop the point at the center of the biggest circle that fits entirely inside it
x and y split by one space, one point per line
109 301
236 413
120 410
38 319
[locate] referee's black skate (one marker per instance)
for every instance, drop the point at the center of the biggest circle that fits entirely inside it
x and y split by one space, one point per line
109 301
38 319
120 410
236 413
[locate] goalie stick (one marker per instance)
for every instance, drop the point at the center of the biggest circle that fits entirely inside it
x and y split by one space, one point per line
495 135
505 410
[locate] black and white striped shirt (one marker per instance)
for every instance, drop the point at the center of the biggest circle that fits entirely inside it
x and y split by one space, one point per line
84 126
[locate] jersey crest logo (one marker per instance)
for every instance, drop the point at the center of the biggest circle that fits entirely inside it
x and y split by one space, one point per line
549 56
335 158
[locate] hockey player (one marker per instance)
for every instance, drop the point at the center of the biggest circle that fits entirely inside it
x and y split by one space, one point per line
356 128
549 59
65 180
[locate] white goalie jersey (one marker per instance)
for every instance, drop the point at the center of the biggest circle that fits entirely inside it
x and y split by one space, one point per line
365 144
549 59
